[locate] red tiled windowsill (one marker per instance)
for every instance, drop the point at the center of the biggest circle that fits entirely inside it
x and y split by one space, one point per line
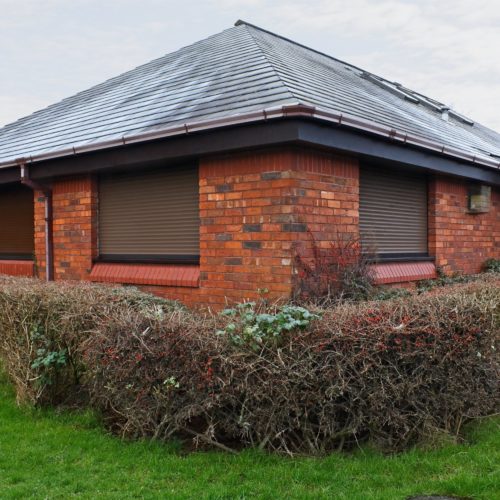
146 274
401 272
17 267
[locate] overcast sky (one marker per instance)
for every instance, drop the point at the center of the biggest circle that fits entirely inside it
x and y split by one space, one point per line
446 49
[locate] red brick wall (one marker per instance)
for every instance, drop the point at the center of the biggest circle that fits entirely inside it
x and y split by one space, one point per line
74 228
243 199
459 240
39 222
255 206
328 201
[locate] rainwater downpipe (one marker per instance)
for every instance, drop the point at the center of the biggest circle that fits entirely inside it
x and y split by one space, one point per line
47 194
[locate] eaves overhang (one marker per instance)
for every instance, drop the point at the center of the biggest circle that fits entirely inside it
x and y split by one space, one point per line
297 123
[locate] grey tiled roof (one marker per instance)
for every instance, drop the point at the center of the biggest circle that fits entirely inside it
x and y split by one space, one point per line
239 70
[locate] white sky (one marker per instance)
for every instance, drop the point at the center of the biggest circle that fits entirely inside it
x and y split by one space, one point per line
447 49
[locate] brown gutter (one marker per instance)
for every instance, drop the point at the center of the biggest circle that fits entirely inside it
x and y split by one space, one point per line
49 240
288 111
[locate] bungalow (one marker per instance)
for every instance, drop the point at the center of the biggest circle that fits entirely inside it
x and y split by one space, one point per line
194 175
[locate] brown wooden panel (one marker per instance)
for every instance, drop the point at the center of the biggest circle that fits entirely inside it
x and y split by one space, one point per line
16 221
151 213
393 211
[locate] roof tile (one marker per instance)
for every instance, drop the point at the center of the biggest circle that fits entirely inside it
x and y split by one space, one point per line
240 70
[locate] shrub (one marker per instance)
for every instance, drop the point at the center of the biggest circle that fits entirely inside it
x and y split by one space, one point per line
492 266
389 293
341 271
43 325
444 280
393 373
255 329
152 377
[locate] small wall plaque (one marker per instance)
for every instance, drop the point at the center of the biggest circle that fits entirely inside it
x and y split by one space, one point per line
479 198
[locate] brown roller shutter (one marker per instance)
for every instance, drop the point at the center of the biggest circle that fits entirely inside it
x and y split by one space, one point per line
16 222
393 212
150 216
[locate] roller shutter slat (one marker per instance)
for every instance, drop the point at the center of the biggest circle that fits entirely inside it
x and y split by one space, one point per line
153 213
393 211
16 221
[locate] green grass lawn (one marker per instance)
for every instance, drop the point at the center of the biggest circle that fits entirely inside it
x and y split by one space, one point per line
46 455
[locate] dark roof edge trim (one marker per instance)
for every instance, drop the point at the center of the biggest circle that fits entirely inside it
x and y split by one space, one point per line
297 110
369 149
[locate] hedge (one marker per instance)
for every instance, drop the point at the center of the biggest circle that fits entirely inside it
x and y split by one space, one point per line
393 373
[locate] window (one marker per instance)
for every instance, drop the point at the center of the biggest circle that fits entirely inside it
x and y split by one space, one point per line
393 212
150 217
16 223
